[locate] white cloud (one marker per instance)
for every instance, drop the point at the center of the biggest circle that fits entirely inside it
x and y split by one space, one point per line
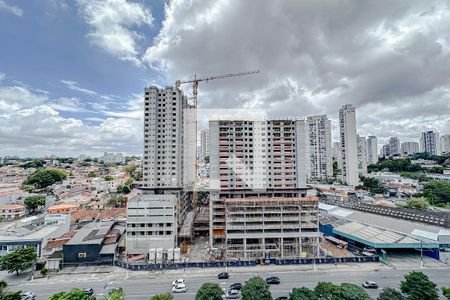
10 8
112 24
315 56
31 124
2 76
73 85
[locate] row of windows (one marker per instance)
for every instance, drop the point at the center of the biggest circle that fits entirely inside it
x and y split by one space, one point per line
150 233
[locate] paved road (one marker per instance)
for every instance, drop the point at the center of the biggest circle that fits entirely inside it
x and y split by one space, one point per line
142 288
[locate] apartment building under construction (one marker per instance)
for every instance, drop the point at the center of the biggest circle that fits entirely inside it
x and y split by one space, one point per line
259 203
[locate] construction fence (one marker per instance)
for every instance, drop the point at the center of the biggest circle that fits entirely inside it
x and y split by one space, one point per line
242 263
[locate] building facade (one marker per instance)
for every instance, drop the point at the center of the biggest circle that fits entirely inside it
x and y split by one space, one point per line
156 213
394 146
410 148
347 126
445 144
250 162
429 142
204 143
372 150
362 155
385 151
319 160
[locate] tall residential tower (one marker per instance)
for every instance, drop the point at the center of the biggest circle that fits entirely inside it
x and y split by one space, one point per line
349 152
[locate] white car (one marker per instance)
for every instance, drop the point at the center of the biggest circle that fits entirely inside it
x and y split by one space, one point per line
28 295
177 282
179 288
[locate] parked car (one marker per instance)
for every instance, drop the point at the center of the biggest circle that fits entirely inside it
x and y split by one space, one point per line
233 294
273 280
236 286
370 285
282 298
88 291
178 281
179 288
223 275
28 295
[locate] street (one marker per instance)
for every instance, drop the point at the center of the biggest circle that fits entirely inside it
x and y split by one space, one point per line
143 288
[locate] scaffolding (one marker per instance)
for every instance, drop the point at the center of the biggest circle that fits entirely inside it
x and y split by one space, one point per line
284 227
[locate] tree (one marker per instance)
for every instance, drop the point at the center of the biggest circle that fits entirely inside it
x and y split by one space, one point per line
108 178
116 200
437 191
206 159
373 185
114 295
390 294
417 286
19 260
7 295
256 289
302 294
92 174
33 202
417 203
350 291
326 291
163 296
209 291
42 178
446 292
74 294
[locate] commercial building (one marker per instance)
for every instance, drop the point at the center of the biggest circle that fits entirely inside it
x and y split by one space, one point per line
33 231
154 215
10 212
429 142
445 144
362 155
409 148
259 168
204 143
394 146
349 152
372 150
319 152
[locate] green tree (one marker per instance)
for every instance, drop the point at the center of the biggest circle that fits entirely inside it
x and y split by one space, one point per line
390 294
373 185
33 202
417 203
206 159
74 294
417 286
163 296
92 174
108 178
19 260
209 291
302 294
7 295
115 295
350 291
116 200
42 178
256 289
437 191
326 291
446 292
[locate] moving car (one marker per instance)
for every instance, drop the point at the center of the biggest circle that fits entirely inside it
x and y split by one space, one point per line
273 280
88 291
179 288
370 285
223 275
28 295
178 281
233 294
236 286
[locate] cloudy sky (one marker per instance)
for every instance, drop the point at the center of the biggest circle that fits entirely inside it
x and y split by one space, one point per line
72 73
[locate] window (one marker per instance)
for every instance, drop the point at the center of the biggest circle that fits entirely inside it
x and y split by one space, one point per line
82 255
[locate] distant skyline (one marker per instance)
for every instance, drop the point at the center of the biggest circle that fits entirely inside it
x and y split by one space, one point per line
72 73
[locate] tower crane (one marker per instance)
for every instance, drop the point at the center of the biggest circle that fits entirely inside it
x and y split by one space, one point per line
196 80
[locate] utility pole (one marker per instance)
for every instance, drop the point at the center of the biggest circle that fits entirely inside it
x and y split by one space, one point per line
421 254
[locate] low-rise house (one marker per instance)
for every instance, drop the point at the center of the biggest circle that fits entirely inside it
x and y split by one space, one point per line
62 208
94 243
11 212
